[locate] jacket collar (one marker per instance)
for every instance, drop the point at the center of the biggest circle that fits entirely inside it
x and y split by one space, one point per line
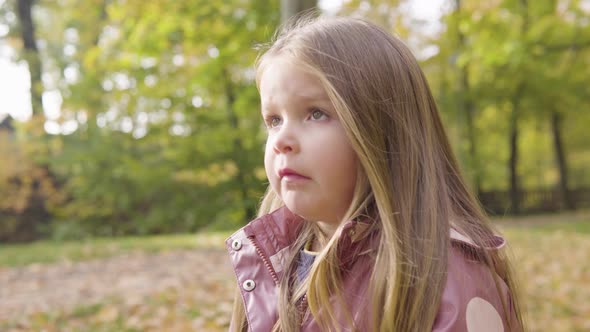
279 229
275 230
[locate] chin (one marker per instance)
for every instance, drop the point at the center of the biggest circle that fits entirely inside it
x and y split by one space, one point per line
301 211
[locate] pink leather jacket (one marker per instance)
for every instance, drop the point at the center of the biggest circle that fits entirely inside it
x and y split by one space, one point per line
258 252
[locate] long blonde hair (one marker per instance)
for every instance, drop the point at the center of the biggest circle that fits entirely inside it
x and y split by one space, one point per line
409 185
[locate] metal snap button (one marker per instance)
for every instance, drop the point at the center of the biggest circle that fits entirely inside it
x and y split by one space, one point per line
249 285
236 245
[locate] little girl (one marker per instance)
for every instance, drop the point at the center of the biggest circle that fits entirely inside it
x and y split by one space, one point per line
367 224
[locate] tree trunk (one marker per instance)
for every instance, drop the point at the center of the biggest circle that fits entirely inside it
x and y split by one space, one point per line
514 129
31 53
513 161
290 8
238 147
470 114
95 99
468 108
556 121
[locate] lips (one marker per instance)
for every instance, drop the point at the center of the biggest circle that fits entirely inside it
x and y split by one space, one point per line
291 174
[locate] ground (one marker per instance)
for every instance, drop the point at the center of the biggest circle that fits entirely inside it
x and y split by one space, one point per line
191 289
179 290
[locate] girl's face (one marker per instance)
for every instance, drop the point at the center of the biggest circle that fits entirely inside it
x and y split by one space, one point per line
308 158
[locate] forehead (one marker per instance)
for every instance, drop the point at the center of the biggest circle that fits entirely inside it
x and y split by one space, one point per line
283 79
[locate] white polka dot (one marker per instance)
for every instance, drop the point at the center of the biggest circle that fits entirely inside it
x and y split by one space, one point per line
482 317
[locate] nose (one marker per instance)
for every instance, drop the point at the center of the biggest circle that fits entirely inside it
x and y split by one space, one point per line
285 139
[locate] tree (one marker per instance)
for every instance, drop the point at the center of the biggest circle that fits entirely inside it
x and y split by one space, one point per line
31 53
506 70
292 8
177 138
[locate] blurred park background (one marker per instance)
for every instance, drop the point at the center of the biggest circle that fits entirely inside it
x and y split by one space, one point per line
138 148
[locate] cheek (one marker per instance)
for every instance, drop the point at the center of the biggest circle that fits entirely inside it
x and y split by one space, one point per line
269 164
342 155
347 171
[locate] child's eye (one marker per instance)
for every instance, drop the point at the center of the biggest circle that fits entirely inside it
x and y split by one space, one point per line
275 121
272 121
317 114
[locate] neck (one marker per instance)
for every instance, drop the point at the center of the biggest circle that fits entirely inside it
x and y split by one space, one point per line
326 231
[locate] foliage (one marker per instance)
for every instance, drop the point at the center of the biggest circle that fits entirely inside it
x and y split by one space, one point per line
160 125
26 187
526 57
168 135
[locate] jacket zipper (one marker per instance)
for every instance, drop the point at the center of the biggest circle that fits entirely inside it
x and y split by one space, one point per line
303 308
303 302
265 260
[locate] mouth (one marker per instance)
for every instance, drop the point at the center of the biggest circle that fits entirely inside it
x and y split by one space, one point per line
289 174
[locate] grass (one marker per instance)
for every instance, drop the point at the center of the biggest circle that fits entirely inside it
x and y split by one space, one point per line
51 251
577 227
